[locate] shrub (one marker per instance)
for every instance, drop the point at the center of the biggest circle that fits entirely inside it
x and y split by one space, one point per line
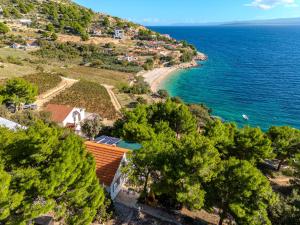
14 60
163 93
141 100
4 28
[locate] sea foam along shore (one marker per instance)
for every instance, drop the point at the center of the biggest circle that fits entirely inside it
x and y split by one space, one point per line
155 77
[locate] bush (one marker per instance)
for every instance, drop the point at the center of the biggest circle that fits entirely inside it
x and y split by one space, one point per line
141 100
148 64
14 60
186 56
140 87
163 93
4 28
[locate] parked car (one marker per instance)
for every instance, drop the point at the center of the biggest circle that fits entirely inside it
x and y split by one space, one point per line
30 107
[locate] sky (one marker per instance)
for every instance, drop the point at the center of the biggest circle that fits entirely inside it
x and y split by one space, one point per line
169 12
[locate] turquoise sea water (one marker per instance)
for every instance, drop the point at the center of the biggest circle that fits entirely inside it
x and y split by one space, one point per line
250 70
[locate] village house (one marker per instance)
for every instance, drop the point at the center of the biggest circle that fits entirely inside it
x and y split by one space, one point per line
119 34
96 32
128 58
66 116
109 160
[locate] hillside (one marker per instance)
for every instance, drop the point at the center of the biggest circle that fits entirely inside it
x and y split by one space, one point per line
117 44
64 38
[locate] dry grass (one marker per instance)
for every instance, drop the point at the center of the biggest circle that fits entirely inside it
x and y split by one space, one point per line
9 70
100 76
93 40
89 95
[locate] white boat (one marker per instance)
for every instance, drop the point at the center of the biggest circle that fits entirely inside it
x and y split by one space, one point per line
245 117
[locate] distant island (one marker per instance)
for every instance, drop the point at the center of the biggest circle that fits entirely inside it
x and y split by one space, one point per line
272 22
269 22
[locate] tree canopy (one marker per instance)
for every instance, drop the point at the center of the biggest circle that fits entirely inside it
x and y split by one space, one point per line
44 170
285 141
138 125
91 128
4 28
241 192
18 90
246 143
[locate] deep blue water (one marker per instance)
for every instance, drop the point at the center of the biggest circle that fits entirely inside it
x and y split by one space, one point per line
250 70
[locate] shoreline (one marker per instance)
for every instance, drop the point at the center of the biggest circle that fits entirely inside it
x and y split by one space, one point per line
156 76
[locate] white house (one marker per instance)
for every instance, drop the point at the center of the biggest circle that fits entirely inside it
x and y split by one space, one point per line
128 58
109 161
119 34
97 32
10 124
67 116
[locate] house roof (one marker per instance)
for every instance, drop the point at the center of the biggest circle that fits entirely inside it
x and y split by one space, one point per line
58 112
108 160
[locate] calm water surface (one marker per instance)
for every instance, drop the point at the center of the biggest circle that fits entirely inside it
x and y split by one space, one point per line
250 70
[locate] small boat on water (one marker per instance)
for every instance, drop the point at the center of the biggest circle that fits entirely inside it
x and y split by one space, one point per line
245 117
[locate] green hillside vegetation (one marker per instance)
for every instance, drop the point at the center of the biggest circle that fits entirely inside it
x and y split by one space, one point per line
92 55
181 165
18 91
89 95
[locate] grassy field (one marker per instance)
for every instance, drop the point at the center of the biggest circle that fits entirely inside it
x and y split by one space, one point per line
8 70
44 81
100 76
89 95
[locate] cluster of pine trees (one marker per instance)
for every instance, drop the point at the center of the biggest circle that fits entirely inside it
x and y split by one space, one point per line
47 170
215 167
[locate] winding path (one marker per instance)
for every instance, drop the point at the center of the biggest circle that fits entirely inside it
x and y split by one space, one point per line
50 94
113 97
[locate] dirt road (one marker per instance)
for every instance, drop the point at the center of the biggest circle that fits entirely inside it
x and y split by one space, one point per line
113 97
48 95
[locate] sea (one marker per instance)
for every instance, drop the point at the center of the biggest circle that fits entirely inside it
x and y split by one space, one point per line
251 70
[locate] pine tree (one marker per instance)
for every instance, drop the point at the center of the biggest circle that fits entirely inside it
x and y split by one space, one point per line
46 170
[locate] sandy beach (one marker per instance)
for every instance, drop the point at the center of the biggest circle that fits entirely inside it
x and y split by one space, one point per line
156 76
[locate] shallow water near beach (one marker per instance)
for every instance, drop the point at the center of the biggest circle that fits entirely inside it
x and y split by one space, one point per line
251 70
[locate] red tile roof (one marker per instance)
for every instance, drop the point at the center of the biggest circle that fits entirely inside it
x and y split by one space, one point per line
108 159
58 112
